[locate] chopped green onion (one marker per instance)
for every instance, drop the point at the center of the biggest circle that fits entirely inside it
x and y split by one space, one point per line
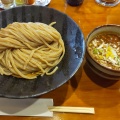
95 51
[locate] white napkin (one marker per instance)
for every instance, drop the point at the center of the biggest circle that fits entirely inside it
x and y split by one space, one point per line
26 107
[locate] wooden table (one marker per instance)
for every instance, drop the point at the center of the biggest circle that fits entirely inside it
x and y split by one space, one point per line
85 88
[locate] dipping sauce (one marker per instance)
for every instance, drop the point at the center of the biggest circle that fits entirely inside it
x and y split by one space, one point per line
29 2
105 49
7 3
19 2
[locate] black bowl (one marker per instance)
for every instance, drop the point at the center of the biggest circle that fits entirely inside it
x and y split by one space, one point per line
72 35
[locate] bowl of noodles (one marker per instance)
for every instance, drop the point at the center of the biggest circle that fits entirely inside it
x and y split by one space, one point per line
103 51
40 50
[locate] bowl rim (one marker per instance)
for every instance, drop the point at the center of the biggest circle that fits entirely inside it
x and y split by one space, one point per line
86 41
52 85
101 73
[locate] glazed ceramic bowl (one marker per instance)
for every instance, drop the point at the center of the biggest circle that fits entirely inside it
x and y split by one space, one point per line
72 35
99 69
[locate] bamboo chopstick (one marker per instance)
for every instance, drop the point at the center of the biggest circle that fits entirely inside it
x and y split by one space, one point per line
72 109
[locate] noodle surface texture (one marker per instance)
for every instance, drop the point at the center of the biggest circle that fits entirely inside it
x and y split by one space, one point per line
30 49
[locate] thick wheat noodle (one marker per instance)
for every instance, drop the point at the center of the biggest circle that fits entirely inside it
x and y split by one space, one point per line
30 49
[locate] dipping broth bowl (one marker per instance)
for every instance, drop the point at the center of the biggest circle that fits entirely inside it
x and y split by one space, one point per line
103 51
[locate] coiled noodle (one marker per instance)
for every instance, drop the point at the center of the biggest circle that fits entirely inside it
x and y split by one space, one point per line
30 49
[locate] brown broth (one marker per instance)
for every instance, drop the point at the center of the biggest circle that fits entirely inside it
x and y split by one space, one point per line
105 49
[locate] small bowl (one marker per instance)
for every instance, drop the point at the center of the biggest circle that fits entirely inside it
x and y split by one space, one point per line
95 65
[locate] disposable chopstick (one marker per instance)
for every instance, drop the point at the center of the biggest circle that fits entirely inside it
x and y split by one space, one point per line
72 109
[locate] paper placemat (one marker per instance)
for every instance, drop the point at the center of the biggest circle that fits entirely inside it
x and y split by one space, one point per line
26 107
